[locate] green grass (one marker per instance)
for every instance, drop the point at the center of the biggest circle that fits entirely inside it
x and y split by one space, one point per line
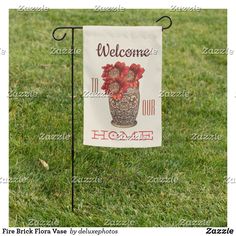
124 194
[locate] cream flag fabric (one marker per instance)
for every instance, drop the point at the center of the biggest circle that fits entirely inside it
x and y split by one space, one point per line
122 86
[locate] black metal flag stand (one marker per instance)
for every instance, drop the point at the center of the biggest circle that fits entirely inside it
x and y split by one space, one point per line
73 28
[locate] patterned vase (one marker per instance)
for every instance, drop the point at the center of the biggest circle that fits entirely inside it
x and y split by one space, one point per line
124 111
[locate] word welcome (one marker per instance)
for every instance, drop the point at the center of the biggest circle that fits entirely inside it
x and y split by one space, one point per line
106 50
122 135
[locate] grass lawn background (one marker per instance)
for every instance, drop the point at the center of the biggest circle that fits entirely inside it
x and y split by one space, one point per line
124 196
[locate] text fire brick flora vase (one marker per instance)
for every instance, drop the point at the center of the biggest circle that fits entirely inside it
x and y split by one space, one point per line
121 82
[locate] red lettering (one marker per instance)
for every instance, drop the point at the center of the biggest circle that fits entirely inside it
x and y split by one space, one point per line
113 135
146 135
102 50
122 135
99 134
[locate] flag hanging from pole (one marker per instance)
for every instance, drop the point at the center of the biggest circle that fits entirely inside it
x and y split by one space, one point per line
122 86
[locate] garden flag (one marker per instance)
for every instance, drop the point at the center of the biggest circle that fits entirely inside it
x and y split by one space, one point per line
122 86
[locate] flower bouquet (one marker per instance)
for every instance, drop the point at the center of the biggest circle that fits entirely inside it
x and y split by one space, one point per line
121 83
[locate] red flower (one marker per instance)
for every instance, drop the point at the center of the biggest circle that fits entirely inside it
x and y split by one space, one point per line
134 74
115 88
119 77
112 72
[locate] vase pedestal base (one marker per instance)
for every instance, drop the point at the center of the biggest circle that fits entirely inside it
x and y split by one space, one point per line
124 126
